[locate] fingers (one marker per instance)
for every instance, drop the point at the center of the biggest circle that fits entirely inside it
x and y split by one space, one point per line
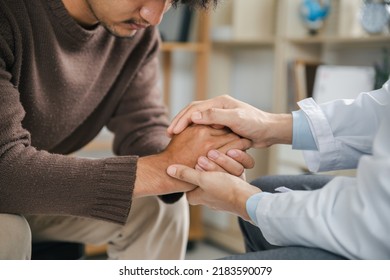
190 114
230 158
183 118
242 157
242 144
234 162
217 161
214 116
206 164
188 175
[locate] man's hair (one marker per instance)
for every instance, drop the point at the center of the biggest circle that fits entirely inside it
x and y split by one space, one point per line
195 3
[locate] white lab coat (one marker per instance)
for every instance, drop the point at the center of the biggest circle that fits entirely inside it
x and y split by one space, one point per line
349 216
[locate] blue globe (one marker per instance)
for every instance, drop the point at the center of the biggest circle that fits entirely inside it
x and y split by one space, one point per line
314 13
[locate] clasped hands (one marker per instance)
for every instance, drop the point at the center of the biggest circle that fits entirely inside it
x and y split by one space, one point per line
201 143
206 148
221 190
200 147
226 156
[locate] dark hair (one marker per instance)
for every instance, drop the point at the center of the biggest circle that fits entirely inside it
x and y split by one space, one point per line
195 3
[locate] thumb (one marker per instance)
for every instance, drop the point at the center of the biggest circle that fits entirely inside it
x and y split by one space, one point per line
214 116
184 173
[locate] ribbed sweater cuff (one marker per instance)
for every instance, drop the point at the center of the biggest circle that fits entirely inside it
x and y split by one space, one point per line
115 189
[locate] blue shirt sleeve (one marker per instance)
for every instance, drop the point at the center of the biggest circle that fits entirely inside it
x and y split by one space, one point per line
302 136
251 205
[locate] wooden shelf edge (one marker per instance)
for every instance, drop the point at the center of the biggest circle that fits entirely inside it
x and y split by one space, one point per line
177 46
244 43
339 40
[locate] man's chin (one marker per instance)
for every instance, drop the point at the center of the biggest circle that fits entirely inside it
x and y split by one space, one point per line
128 35
125 33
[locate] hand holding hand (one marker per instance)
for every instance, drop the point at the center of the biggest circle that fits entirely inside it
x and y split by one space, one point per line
184 148
262 128
217 190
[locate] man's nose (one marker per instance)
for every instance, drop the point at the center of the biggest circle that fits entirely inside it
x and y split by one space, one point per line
153 10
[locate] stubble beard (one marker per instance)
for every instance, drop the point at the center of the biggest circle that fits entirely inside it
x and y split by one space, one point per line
110 28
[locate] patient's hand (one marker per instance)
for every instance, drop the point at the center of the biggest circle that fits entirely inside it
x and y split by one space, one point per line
184 148
232 158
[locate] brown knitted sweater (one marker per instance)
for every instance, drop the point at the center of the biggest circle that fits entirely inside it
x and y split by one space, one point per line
60 84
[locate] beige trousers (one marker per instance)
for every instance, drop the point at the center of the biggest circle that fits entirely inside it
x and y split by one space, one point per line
154 230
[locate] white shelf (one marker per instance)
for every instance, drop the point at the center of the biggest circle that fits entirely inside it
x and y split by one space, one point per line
264 42
340 40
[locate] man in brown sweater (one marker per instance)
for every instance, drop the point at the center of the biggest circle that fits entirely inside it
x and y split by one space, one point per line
67 69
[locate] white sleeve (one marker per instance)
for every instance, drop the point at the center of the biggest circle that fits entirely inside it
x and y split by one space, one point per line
344 129
349 216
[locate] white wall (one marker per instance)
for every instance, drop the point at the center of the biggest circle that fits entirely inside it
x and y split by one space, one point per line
250 79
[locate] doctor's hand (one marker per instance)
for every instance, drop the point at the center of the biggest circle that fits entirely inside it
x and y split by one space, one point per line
216 190
262 128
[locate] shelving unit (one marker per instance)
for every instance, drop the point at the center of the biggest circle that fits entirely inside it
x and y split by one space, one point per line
276 34
341 42
200 48
281 36
244 43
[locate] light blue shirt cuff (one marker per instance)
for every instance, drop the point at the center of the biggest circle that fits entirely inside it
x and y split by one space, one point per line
251 204
302 136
